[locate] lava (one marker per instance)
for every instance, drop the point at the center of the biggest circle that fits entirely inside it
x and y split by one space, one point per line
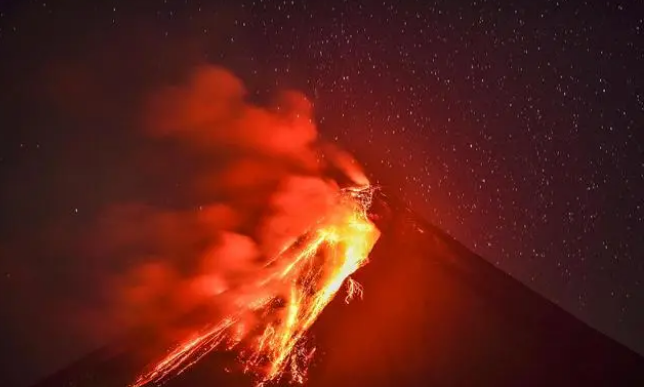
272 314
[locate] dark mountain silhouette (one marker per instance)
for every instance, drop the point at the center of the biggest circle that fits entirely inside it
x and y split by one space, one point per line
433 314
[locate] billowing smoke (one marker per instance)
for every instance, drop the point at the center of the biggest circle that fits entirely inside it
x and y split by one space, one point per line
263 179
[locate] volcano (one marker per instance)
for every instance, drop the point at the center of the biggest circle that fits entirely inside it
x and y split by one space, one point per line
433 314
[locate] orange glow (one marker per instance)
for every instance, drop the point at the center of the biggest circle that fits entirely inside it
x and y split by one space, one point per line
272 315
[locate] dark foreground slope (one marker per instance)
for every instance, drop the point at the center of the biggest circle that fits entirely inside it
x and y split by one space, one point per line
433 314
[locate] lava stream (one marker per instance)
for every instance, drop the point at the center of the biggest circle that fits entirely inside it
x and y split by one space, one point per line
287 298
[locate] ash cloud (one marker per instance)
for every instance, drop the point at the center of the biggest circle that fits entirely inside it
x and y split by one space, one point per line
262 181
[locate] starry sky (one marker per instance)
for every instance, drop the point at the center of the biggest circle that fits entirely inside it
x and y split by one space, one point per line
516 127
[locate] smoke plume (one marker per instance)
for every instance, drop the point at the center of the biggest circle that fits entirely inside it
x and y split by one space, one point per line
263 179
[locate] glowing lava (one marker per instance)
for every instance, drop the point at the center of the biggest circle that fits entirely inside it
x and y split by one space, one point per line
274 313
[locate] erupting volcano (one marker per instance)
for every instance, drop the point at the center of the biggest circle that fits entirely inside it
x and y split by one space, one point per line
248 288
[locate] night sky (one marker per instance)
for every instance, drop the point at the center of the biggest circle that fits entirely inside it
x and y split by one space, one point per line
517 128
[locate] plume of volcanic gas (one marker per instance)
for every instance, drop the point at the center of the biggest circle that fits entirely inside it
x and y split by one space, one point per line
275 238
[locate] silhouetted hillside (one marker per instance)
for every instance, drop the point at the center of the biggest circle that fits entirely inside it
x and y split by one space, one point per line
433 314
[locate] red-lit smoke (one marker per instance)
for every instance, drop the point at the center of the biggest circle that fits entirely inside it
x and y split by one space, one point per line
269 216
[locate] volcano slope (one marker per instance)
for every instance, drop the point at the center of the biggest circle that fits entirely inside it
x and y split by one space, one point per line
433 314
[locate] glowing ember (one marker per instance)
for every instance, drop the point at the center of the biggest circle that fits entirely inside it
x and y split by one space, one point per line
287 298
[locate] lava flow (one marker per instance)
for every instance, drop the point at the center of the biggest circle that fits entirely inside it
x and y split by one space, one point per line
272 314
